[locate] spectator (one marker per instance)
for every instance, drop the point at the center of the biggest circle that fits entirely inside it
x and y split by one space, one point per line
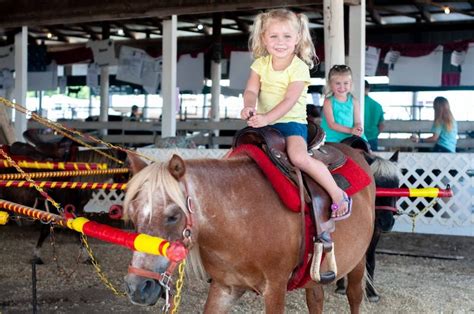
135 115
445 128
373 119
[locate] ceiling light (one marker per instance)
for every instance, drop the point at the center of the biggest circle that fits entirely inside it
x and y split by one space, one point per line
49 35
447 10
200 27
120 32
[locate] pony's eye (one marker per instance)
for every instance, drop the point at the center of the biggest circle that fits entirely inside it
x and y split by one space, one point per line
172 219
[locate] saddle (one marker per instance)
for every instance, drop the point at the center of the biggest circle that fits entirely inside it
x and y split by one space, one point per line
37 149
273 144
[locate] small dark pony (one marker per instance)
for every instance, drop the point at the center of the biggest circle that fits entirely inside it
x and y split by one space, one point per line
386 175
241 234
69 199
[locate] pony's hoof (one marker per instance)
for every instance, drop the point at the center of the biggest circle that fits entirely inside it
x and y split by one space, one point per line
37 261
87 261
340 290
373 298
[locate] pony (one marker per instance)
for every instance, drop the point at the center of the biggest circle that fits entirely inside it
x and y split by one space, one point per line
70 200
386 174
239 232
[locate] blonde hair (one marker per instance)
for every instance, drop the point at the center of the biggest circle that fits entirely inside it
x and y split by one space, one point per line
304 49
336 70
443 115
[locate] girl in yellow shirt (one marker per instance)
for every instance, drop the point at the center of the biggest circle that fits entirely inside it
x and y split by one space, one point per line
282 46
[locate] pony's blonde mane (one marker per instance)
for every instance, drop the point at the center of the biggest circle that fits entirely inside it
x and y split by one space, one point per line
382 168
155 178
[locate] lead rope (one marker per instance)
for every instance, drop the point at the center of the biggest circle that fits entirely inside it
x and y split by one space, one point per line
413 217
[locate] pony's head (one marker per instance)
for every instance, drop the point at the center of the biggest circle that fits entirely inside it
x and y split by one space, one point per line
386 175
156 205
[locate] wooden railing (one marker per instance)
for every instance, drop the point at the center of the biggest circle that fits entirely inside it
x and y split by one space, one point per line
134 133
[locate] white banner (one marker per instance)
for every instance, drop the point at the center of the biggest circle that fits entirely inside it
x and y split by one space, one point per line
418 71
104 51
191 73
372 56
240 62
467 68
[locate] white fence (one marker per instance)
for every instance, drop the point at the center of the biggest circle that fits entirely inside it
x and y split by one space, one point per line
452 216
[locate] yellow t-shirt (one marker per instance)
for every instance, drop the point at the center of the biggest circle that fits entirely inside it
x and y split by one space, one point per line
273 86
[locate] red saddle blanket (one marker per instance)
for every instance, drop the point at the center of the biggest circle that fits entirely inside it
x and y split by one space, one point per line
355 180
6 149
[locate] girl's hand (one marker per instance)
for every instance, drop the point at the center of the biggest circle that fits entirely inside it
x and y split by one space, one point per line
246 113
357 130
258 121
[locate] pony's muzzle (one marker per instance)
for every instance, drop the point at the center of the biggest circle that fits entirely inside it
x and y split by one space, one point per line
143 291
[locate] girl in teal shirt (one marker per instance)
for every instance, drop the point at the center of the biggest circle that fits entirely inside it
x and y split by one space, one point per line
445 128
341 111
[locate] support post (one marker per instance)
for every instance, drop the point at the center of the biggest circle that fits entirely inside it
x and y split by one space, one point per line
357 52
168 78
21 80
333 33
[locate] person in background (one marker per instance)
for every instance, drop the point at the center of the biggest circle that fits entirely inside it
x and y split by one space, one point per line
445 128
135 115
282 46
341 110
373 119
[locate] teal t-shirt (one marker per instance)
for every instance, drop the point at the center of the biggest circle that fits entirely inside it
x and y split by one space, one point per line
343 113
373 116
447 139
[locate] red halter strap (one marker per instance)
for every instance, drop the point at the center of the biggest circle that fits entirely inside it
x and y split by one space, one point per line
187 241
144 273
389 208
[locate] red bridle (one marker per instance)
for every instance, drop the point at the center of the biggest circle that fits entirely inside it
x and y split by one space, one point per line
165 277
389 208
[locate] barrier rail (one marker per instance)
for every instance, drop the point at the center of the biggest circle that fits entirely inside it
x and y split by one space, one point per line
174 251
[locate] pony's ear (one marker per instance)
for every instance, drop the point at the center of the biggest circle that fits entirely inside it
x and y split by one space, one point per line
136 163
176 167
369 158
394 157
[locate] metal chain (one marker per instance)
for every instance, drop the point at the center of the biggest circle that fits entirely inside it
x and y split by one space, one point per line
179 287
413 217
103 277
29 179
60 269
63 130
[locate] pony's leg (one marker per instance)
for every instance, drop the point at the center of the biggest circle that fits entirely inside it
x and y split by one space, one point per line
355 293
44 233
372 294
315 299
220 299
274 296
340 286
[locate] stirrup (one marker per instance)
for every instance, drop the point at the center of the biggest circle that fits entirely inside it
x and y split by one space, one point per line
323 244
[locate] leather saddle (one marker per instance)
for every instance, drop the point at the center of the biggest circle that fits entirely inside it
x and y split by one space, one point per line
274 145
38 149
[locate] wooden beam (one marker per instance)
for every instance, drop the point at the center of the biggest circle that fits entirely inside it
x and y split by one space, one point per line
50 12
352 2
423 11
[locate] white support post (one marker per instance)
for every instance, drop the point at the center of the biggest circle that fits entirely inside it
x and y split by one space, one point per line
104 97
215 90
168 78
357 52
21 80
333 33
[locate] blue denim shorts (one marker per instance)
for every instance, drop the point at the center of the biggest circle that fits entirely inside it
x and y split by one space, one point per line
292 129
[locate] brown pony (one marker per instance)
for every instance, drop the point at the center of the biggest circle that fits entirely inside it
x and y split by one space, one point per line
243 237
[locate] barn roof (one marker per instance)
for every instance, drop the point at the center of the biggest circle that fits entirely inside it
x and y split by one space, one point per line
71 23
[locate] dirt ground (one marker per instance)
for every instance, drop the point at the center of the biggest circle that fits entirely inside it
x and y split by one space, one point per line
407 284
